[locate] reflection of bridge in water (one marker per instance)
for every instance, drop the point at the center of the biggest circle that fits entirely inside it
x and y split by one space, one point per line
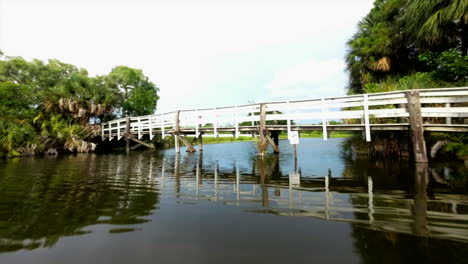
357 201
123 193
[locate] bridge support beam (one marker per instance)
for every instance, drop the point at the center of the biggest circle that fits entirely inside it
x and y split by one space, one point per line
416 127
275 137
272 142
186 143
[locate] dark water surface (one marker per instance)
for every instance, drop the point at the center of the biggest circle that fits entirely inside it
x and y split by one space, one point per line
229 206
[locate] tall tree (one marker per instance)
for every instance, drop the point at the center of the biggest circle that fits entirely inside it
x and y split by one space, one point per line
438 22
139 94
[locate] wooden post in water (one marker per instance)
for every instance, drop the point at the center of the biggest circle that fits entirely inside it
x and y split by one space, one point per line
176 132
127 135
200 142
416 126
262 120
262 141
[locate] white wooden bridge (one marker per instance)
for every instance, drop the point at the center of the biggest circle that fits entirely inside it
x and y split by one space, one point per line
441 109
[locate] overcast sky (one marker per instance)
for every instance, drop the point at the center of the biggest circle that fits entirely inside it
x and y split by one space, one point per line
199 53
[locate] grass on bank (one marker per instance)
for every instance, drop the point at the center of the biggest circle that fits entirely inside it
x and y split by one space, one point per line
169 141
319 134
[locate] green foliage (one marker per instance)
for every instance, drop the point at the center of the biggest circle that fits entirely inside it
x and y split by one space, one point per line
408 44
62 99
417 80
458 144
401 38
378 48
139 94
440 22
15 110
449 65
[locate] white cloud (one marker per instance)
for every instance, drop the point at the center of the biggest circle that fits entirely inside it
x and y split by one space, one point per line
195 51
308 80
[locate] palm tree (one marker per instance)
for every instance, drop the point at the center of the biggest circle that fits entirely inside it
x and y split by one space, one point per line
431 21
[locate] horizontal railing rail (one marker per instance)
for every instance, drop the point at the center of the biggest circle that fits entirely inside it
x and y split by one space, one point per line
445 109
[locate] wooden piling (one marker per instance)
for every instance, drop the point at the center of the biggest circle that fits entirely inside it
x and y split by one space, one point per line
262 142
200 142
262 120
416 126
176 132
127 135
186 143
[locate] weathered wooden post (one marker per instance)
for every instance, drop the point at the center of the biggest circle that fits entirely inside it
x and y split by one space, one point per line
262 142
200 142
262 120
127 135
176 132
416 126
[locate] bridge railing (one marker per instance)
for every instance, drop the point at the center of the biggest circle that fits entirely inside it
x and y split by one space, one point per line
438 108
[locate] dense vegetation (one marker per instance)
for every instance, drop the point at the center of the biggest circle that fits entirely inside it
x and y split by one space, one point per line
411 44
403 44
54 105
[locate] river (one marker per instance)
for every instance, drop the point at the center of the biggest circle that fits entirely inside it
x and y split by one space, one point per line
227 205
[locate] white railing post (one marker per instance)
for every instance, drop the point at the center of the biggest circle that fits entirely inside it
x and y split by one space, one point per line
118 130
139 127
448 120
366 117
236 121
196 123
150 125
324 120
163 135
215 123
253 122
110 131
289 119
102 131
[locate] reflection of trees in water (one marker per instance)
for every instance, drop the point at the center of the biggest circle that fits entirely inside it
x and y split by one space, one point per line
375 246
401 230
48 199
